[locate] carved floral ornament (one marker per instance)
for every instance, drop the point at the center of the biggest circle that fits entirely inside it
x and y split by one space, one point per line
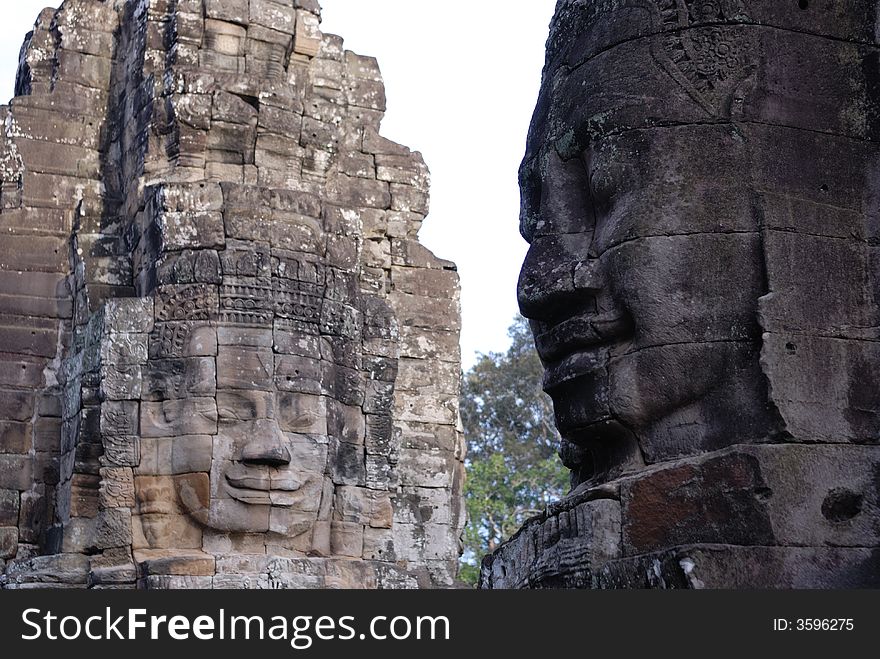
688 42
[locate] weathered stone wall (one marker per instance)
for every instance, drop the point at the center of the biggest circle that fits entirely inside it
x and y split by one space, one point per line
227 360
700 195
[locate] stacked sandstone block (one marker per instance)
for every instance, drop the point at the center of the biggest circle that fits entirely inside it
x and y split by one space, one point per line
198 204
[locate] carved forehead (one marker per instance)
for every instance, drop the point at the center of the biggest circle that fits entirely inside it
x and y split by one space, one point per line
703 60
631 65
580 29
260 291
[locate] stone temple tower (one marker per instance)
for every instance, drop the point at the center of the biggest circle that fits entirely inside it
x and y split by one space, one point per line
225 358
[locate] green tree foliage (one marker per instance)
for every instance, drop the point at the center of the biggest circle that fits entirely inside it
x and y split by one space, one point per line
513 470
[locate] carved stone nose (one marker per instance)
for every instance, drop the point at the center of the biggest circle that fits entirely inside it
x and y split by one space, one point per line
551 280
267 446
541 284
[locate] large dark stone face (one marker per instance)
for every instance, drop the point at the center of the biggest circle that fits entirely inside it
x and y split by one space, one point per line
699 211
700 191
642 284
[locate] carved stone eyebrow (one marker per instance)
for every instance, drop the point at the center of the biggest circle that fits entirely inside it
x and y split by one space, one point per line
240 405
530 198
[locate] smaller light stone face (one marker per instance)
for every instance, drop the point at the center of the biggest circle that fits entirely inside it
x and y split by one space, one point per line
256 470
266 464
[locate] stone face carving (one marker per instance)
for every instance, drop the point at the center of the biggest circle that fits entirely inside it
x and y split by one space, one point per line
699 192
217 316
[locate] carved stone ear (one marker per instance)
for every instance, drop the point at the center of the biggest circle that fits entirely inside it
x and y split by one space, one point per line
193 492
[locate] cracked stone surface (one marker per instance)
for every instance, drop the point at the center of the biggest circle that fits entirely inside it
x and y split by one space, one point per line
216 312
700 192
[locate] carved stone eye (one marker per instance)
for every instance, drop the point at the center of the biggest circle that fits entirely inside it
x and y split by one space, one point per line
602 188
530 192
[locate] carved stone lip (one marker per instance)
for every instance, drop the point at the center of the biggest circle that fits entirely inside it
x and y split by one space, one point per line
282 498
581 332
576 365
579 345
248 496
261 482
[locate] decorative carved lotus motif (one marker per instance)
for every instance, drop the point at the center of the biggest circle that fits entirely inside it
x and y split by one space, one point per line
708 62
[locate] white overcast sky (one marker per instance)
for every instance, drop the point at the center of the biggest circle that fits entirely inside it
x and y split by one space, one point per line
462 80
